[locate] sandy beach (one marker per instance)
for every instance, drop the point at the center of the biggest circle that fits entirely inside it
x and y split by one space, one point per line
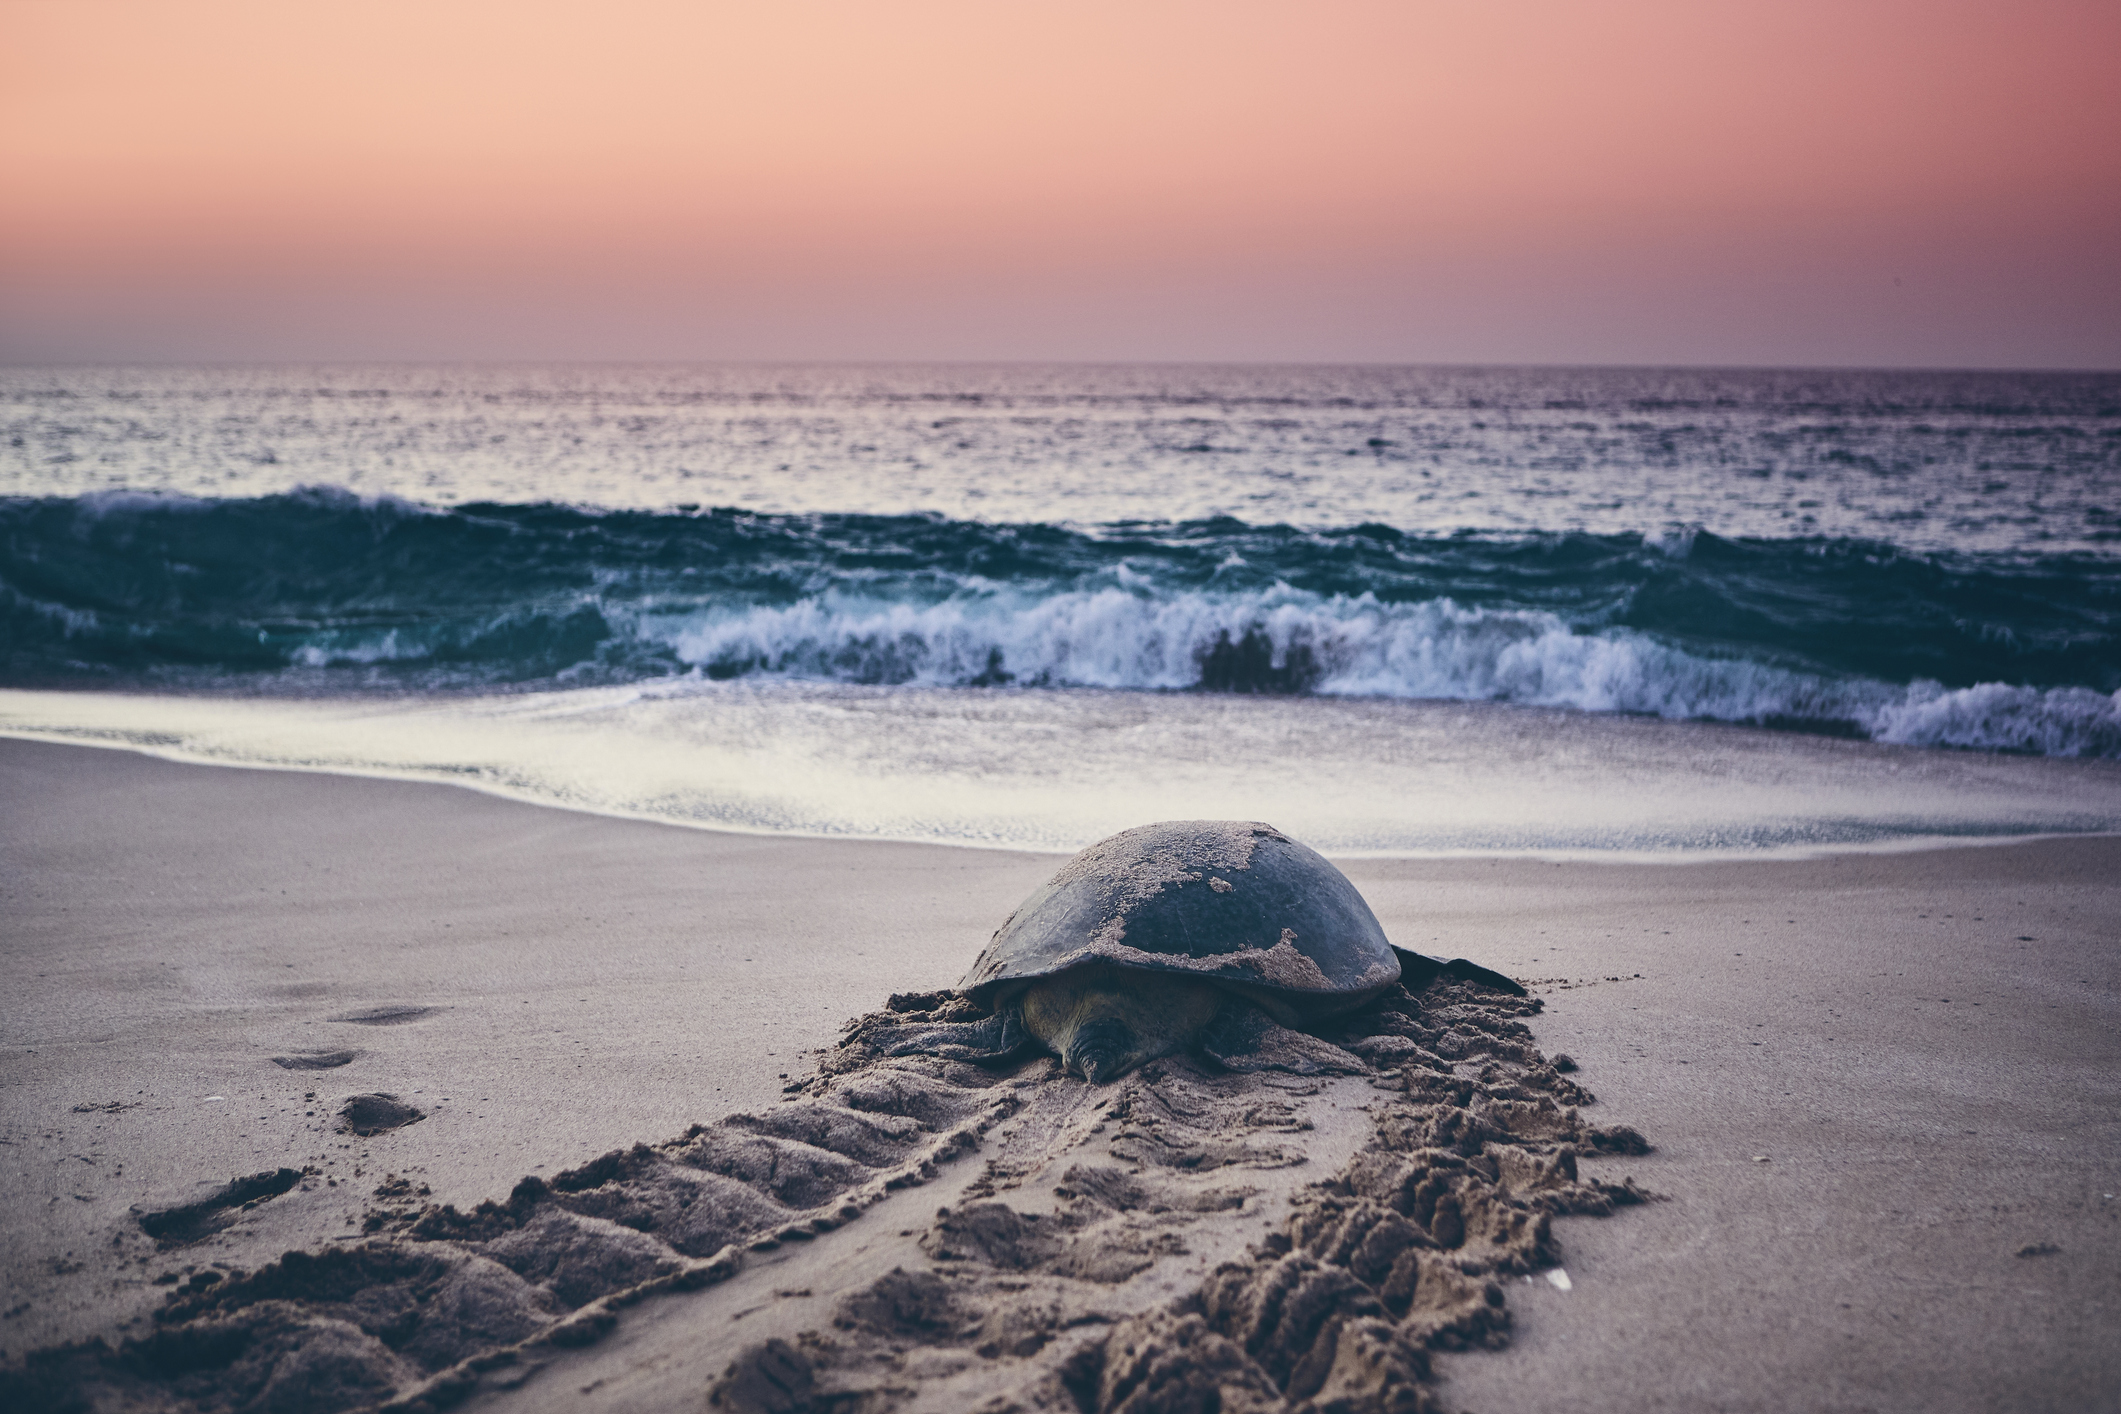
1879 1086
1001 709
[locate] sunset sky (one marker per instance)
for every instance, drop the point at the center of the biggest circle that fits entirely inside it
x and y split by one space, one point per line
1634 181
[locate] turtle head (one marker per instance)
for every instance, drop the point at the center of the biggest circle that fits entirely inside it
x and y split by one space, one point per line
1103 1021
1104 1049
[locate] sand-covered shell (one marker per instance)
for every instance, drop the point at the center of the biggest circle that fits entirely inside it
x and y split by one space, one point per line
1230 901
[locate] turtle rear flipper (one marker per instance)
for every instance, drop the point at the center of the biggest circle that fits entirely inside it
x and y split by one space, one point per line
991 1038
1417 972
1242 1037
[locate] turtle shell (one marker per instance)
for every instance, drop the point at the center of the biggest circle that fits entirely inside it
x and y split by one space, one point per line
1229 901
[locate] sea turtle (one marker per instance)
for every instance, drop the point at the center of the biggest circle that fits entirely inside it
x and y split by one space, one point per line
1221 935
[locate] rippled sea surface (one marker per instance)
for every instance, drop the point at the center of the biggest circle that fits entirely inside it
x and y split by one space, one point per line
1420 608
1924 461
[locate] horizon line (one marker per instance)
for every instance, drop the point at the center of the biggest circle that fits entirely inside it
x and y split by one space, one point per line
10 364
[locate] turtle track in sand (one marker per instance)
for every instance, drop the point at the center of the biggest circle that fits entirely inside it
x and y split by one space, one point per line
1183 1239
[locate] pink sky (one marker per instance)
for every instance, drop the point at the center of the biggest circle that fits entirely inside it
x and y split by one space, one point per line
1469 180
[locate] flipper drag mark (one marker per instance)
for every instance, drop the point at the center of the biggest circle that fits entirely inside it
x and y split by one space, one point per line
1471 1150
1097 1259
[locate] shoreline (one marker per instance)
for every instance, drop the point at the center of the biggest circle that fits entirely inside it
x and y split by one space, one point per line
592 981
1795 853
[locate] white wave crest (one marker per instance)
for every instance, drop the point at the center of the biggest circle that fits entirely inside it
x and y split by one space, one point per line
1358 646
1994 716
1097 638
392 646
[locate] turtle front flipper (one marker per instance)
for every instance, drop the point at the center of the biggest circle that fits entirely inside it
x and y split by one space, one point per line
1417 972
991 1038
1244 1038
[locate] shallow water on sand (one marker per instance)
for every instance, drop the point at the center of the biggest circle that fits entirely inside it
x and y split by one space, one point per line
1046 770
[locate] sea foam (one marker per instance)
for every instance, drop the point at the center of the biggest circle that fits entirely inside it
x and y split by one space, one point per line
1283 640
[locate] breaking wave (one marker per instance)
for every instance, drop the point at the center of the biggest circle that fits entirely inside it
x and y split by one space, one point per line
321 591
1288 642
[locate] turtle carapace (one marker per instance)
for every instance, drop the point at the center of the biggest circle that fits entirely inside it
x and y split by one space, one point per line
1212 935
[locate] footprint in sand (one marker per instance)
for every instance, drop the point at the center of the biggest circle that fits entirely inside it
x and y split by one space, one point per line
316 1060
394 1015
377 1114
183 1223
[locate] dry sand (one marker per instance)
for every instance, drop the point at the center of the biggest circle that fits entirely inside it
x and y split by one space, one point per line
1873 1083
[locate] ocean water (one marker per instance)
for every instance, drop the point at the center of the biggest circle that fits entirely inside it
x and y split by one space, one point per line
1394 610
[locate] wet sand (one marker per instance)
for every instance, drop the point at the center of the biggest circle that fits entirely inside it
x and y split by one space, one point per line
1873 1081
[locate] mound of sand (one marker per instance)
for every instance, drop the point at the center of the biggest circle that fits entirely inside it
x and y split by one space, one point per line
1185 1239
